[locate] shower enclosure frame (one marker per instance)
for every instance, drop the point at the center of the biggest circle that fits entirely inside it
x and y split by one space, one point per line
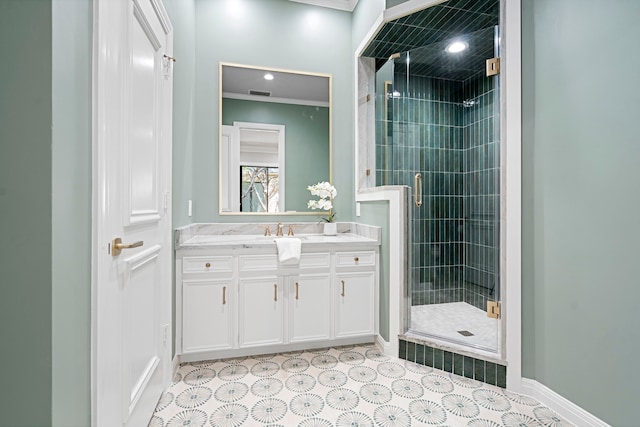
510 187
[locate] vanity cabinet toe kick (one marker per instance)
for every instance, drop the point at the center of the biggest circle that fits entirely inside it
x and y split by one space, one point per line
247 303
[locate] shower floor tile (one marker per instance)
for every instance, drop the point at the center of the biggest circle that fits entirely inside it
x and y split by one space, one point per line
449 319
345 386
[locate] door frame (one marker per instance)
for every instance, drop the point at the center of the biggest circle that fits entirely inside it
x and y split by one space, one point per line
109 31
511 182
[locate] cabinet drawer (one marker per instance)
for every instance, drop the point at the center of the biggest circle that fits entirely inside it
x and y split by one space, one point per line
355 259
207 264
257 262
315 260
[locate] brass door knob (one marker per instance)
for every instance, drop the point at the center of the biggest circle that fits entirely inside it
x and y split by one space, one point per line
117 246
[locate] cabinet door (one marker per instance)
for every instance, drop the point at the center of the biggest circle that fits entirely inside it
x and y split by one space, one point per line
310 307
206 315
354 308
261 319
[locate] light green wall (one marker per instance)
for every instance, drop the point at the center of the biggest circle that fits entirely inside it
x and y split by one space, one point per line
363 17
580 199
71 215
271 33
377 213
182 14
306 142
25 213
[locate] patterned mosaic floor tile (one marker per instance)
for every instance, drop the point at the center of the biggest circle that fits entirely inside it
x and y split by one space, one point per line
353 386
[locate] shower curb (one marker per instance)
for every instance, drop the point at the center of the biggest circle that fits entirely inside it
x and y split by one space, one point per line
449 361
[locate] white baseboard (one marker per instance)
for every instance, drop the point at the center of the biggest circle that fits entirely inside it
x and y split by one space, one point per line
565 408
175 364
385 346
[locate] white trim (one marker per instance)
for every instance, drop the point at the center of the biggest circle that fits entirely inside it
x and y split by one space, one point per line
384 346
163 16
511 223
564 407
235 201
97 165
346 5
175 365
275 100
407 8
396 196
373 31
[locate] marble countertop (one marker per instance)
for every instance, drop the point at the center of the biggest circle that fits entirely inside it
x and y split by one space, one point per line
235 236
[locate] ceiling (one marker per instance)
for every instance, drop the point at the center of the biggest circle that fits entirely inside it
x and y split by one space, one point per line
286 87
426 33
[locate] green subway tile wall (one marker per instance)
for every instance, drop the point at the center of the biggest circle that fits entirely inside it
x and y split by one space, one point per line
436 115
456 149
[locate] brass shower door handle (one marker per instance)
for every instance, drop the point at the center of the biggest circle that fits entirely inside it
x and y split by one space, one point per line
417 189
117 246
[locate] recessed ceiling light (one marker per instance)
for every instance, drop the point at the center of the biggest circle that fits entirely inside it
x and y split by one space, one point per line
268 76
456 47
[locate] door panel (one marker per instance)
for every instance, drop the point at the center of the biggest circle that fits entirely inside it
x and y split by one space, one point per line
143 346
141 164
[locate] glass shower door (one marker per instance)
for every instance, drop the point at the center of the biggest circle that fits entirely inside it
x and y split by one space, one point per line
446 147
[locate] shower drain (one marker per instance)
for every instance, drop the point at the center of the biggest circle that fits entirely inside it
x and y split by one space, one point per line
465 333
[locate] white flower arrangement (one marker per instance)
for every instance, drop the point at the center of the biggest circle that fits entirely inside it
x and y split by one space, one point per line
326 193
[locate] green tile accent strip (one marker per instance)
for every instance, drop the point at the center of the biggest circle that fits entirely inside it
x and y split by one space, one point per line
470 367
411 351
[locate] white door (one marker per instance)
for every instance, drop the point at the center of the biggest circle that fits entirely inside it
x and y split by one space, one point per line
131 298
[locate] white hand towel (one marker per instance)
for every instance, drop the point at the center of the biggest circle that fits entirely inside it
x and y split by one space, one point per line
289 249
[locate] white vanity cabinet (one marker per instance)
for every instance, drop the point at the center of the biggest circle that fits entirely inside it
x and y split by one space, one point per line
355 296
261 304
208 300
239 300
261 313
309 307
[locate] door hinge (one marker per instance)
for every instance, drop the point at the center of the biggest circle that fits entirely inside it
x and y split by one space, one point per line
368 97
167 64
493 309
493 67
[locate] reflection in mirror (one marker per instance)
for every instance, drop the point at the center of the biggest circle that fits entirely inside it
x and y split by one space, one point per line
275 139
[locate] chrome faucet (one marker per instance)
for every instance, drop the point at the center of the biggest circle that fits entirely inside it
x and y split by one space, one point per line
279 232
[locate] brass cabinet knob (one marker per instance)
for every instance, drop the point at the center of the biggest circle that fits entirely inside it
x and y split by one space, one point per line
356 259
207 265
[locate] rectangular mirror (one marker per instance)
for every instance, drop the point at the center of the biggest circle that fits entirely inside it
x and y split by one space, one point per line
275 139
